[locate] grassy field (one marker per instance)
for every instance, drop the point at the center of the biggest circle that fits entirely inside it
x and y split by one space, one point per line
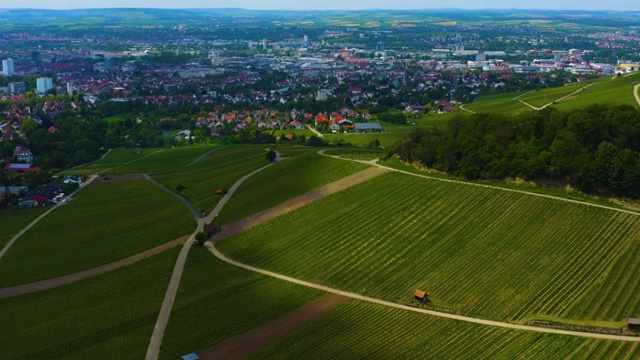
479 252
103 223
546 96
110 316
217 300
605 90
14 220
609 91
501 103
358 330
115 158
284 181
221 171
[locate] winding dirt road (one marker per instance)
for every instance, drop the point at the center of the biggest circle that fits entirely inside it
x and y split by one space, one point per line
247 222
153 350
635 93
220 256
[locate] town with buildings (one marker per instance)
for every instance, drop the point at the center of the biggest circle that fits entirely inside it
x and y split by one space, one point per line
195 83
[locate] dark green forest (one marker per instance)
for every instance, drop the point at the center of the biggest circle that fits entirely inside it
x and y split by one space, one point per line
595 149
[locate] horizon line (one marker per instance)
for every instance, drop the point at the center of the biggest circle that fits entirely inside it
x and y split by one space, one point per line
315 9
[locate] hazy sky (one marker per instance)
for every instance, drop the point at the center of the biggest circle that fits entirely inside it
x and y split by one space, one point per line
330 4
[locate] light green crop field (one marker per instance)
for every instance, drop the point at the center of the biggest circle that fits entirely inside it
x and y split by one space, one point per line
604 90
14 220
217 300
110 316
478 251
164 161
283 181
610 91
501 103
103 223
359 330
546 96
115 158
220 172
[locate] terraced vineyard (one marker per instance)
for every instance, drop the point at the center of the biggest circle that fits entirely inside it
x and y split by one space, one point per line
284 181
217 300
110 316
103 223
358 330
480 252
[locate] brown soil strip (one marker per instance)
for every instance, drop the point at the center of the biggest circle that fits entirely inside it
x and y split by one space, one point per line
253 340
297 202
85 274
117 178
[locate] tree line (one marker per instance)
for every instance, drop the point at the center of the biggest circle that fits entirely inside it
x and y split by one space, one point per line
596 149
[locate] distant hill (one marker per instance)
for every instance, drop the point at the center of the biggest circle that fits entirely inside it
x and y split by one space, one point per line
123 14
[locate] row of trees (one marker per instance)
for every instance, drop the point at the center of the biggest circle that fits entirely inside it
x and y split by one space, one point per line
596 149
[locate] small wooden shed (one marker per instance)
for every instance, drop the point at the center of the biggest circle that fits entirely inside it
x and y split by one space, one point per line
421 296
633 323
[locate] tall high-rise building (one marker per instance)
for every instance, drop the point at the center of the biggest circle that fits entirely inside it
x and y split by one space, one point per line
380 46
69 88
43 84
264 44
8 67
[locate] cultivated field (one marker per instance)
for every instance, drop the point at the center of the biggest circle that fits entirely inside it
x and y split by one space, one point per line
115 158
163 160
605 90
14 220
497 103
217 300
219 170
479 252
356 153
107 317
284 181
106 221
358 330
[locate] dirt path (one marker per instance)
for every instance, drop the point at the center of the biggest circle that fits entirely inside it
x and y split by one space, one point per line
635 93
463 109
85 274
318 133
297 202
220 256
190 206
253 340
153 350
203 156
37 220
